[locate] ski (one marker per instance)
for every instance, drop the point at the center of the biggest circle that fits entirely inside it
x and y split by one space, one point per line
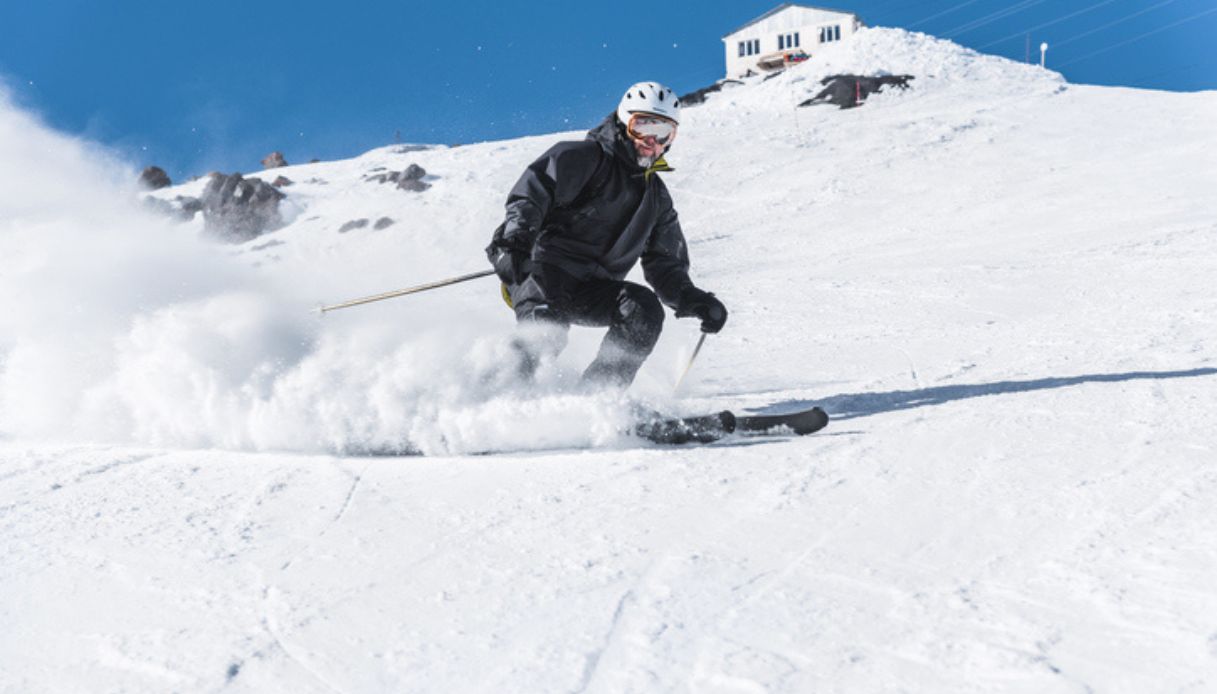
712 427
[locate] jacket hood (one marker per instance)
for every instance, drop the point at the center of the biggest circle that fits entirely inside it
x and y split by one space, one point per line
613 140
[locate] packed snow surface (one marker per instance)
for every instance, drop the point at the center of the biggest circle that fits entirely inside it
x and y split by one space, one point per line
1000 286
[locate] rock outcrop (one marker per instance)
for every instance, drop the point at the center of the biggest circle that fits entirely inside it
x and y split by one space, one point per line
181 208
411 179
699 96
353 224
274 160
154 178
850 91
237 209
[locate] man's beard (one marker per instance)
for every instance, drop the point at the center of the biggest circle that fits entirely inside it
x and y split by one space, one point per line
647 162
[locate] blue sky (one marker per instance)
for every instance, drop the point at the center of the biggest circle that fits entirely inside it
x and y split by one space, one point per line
215 86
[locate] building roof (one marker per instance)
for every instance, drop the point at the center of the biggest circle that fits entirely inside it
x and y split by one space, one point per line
779 8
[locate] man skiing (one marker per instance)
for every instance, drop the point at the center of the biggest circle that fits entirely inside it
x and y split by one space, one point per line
578 220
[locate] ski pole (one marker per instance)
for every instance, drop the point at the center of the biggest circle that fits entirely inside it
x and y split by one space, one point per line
700 341
408 290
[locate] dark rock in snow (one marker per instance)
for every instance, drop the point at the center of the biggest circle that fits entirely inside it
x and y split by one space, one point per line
410 179
382 223
154 178
699 97
190 205
181 208
353 224
412 184
237 209
850 91
269 244
281 181
274 160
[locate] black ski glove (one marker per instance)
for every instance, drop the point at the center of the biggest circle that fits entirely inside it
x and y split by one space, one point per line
512 265
695 302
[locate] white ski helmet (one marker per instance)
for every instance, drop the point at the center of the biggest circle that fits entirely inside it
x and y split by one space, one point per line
649 97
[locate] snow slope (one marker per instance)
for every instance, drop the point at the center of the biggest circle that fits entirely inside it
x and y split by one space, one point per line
998 284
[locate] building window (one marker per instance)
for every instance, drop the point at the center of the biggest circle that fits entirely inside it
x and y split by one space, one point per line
832 33
836 33
796 39
756 46
781 42
741 49
786 41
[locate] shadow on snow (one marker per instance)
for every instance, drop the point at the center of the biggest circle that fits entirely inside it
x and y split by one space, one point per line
855 405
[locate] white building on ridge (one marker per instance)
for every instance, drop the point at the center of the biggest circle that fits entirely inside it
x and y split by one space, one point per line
787 34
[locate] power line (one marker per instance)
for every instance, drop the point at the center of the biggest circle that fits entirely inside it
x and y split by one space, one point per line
943 13
990 18
1046 24
883 8
1138 38
1111 24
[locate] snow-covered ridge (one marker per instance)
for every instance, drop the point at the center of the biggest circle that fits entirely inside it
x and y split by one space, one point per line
882 50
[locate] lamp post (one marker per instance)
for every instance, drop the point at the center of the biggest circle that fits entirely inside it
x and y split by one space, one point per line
1043 52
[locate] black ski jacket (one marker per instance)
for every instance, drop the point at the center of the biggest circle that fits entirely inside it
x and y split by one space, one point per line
590 209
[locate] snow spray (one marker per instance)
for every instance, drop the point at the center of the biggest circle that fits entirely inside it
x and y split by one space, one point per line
117 325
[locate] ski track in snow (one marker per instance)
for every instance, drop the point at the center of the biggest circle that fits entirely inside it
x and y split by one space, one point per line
997 283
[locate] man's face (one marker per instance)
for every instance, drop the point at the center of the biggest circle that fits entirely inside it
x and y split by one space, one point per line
651 135
648 148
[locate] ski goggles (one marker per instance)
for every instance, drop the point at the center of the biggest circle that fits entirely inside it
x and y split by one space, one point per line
644 125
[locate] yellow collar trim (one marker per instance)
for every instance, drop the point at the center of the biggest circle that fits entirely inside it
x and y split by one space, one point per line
660 164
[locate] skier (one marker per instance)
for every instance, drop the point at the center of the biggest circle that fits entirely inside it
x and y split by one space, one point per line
578 220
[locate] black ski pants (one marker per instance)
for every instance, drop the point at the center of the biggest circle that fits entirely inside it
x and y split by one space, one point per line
550 301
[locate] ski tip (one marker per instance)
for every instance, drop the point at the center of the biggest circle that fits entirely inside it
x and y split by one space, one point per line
815 420
801 423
